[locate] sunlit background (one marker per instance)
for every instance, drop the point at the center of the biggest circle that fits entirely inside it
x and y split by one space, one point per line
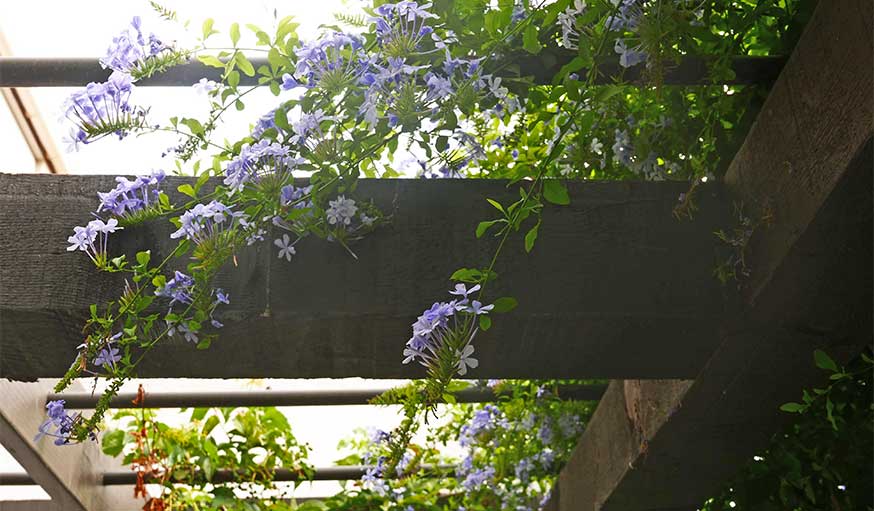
61 28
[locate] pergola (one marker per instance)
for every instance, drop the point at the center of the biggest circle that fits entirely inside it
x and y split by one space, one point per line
698 371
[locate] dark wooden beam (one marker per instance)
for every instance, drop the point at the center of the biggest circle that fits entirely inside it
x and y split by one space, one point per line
658 445
77 72
616 287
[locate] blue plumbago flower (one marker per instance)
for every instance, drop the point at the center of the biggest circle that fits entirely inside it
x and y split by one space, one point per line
443 334
220 297
484 420
264 123
132 196
478 478
372 477
570 425
60 419
546 458
341 211
182 328
205 222
204 86
332 62
260 161
102 109
294 197
286 247
179 289
465 360
629 57
93 238
401 26
622 149
288 82
519 12
107 357
524 468
627 17
567 20
130 48
545 433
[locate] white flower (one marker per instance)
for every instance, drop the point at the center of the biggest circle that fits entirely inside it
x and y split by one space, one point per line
465 360
286 249
204 86
596 146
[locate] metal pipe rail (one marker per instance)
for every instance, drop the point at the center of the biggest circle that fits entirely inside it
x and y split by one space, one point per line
77 72
337 473
85 400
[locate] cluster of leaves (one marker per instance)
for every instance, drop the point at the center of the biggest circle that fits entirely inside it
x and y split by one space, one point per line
823 460
530 418
249 443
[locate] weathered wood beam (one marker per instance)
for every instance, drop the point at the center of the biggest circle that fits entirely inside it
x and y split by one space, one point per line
659 445
616 287
77 72
71 475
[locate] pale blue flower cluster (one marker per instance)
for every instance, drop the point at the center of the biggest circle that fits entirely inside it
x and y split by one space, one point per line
130 48
433 330
100 109
333 61
93 238
178 289
341 211
60 420
258 160
204 222
130 196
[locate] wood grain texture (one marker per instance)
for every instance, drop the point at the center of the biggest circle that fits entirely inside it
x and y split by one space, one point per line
808 159
616 287
71 475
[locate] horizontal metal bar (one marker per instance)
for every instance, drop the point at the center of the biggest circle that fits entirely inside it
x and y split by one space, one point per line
85 400
337 473
76 72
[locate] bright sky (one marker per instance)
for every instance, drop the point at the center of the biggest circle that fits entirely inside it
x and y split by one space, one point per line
85 29
61 28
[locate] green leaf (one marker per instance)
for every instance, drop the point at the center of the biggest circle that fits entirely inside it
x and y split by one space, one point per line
143 257
792 407
497 205
188 190
449 398
234 78
530 40
823 361
211 60
275 59
207 28
113 442
209 425
556 192
243 63
505 304
531 237
199 413
235 34
484 226
485 322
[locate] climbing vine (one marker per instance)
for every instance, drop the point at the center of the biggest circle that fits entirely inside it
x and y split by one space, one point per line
435 90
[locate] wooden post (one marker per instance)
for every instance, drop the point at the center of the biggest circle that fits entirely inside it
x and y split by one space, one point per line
807 163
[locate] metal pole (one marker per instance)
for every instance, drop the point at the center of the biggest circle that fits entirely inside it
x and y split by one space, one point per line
338 473
237 398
